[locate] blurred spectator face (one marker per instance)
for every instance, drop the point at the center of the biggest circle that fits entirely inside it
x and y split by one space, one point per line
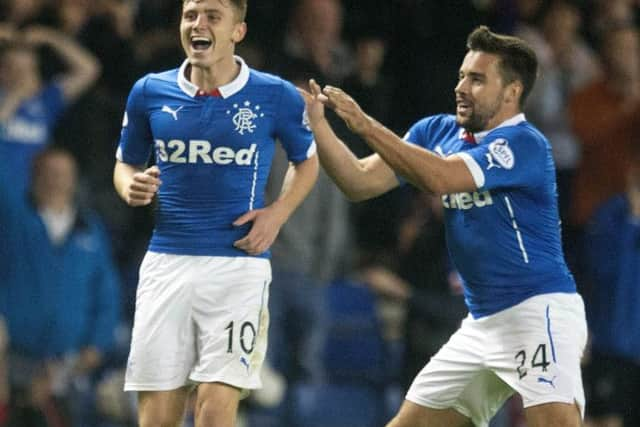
23 10
561 24
615 11
370 53
18 64
54 178
528 9
209 31
74 14
319 22
621 52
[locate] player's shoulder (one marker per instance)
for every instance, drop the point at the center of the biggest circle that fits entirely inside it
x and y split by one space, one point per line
156 81
438 126
521 133
265 81
438 121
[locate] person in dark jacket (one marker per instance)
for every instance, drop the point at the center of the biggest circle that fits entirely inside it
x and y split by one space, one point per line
59 293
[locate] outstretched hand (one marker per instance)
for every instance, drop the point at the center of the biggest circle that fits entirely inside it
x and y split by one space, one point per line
314 101
339 101
348 109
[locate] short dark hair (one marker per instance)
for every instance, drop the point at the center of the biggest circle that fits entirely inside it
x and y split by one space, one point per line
518 61
239 5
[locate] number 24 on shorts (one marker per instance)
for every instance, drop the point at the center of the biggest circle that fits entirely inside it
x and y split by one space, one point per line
539 359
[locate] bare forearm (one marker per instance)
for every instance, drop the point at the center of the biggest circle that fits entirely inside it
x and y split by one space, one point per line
418 166
358 179
75 56
297 184
122 177
424 169
338 161
83 67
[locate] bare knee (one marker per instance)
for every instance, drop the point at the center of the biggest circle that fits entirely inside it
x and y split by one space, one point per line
554 414
413 415
216 405
161 408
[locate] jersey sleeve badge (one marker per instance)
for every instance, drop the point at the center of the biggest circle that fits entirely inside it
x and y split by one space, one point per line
502 153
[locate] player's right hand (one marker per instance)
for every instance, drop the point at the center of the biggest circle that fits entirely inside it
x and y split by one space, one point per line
143 187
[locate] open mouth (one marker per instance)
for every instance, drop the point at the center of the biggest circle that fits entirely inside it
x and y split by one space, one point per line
199 43
463 107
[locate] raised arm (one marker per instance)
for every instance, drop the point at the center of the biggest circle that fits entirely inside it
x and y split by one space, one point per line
359 179
424 169
83 68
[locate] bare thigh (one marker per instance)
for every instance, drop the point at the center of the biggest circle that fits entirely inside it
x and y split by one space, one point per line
413 415
553 415
216 405
162 408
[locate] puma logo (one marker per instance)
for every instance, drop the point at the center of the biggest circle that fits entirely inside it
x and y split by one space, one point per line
547 381
244 361
174 113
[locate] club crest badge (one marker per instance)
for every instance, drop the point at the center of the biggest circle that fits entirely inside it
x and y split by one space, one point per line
244 117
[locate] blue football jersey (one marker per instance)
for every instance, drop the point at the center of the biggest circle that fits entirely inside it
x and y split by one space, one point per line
504 238
214 152
28 132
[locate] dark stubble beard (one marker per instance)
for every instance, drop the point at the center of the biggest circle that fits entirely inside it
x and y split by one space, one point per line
480 117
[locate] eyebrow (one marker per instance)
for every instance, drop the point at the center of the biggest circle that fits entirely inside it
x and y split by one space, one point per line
473 74
209 10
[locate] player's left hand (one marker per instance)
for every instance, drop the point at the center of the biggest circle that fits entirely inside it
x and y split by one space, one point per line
265 229
314 101
348 109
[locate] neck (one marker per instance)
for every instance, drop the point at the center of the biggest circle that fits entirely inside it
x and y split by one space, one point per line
58 207
219 74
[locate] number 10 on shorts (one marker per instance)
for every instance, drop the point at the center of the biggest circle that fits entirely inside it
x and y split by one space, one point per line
247 337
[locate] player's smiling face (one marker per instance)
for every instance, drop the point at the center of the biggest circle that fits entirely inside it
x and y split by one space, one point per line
209 31
480 93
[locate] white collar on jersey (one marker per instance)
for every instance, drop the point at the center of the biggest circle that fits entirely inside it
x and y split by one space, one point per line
518 118
226 91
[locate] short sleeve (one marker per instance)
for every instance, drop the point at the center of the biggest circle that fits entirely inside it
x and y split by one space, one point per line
53 98
136 139
507 160
292 127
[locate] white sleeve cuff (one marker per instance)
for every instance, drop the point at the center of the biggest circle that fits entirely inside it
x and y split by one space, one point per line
312 149
474 168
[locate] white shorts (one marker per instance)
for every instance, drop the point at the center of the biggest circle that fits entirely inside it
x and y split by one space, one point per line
199 319
533 348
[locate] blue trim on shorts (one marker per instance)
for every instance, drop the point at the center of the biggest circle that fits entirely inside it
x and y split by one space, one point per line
553 348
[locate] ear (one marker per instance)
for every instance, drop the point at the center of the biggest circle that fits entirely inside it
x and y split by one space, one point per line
239 32
514 92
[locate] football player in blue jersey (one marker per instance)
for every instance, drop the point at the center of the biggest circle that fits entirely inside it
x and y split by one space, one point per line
526 329
201 306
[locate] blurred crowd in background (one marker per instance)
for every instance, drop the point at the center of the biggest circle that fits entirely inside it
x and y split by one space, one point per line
362 294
